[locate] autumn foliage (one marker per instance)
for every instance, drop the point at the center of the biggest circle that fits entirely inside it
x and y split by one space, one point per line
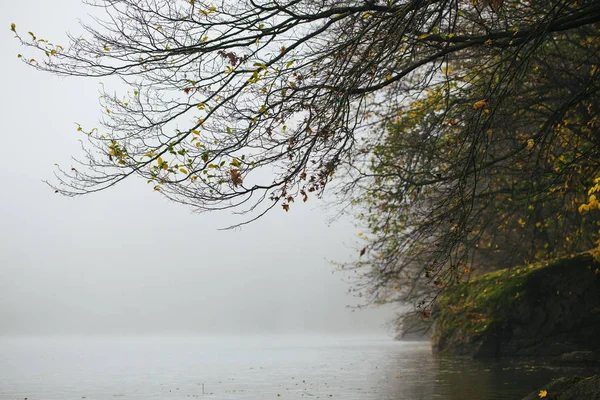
465 132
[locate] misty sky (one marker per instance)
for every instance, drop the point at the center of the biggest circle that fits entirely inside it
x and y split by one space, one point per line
128 261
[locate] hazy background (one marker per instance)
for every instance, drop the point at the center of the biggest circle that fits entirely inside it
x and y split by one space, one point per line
127 261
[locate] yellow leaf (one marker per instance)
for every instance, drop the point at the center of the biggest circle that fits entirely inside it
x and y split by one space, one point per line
542 394
423 36
13 27
205 38
195 132
159 161
479 104
106 48
530 144
183 170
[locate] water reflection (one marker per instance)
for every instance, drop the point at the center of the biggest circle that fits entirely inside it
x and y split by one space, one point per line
254 368
462 378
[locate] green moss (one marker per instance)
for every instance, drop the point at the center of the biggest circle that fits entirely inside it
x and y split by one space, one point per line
469 308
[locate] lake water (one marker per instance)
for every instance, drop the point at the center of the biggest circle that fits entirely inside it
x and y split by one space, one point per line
64 368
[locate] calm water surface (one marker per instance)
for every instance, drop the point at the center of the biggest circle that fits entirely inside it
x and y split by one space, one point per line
64 368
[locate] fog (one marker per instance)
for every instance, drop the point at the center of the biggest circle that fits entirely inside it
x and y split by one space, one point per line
127 261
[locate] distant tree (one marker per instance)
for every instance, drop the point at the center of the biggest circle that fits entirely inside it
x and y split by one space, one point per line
246 105
488 168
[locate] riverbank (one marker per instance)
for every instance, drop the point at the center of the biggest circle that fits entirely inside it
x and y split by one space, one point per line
544 309
575 388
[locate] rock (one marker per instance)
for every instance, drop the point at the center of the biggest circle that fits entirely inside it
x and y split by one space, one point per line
545 309
579 358
576 388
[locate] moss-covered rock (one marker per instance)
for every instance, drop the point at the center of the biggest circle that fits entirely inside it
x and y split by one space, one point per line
569 389
544 309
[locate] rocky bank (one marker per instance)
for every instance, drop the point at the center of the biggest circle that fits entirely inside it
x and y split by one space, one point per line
544 309
569 389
